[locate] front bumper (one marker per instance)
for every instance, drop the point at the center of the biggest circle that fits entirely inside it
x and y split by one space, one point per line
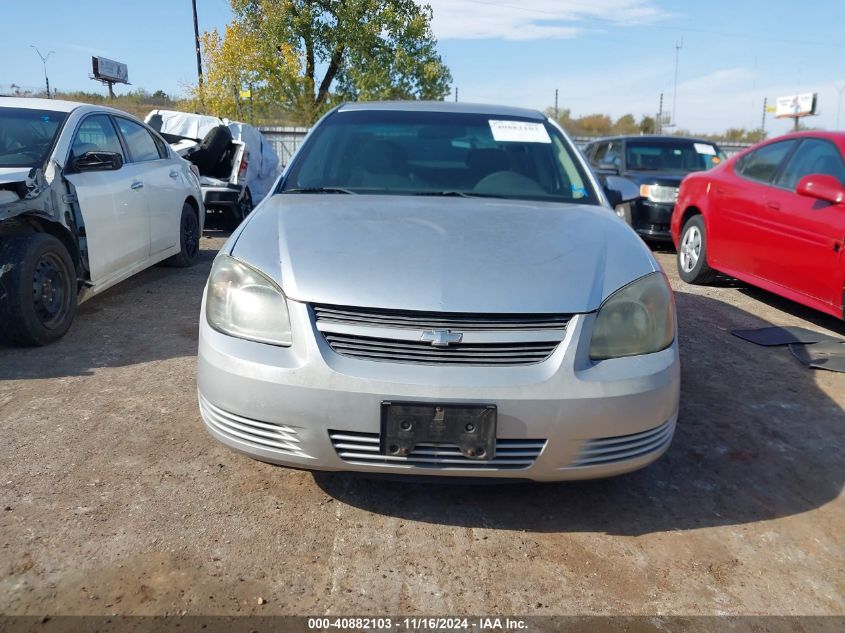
564 418
652 219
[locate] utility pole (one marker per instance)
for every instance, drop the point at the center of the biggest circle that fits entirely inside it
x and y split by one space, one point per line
763 125
678 47
44 62
556 111
456 94
197 45
658 124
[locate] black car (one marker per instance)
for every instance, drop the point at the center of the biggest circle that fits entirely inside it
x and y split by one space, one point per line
655 166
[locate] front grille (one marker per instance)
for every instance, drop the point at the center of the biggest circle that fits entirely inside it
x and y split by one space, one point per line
607 450
363 449
439 320
392 350
395 336
267 436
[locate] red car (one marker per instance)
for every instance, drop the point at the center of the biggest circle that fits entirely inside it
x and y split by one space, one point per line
772 216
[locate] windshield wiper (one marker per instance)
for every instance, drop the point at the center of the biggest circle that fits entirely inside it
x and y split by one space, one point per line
459 194
320 190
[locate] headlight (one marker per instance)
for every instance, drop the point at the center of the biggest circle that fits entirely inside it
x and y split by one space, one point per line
638 319
659 193
244 303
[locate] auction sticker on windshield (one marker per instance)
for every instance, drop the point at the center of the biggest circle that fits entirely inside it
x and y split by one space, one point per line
519 132
704 148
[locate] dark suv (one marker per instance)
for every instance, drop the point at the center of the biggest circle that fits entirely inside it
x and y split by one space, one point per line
654 165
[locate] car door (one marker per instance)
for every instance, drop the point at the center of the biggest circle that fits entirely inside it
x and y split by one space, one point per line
117 223
813 229
743 232
163 187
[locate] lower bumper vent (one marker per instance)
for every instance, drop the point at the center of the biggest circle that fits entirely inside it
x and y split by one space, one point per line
363 449
267 436
607 450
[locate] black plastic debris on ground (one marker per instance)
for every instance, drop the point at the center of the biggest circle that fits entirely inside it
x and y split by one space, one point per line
773 336
830 356
813 349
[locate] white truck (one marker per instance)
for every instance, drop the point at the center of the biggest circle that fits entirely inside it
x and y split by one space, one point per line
237 165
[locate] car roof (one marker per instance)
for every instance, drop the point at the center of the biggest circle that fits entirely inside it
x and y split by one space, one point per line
838 137
654 138
55 105
442 106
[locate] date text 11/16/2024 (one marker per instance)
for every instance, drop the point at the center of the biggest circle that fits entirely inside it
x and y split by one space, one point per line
417 624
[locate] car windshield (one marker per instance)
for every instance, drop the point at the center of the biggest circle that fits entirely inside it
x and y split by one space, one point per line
26 136
685 156
439 153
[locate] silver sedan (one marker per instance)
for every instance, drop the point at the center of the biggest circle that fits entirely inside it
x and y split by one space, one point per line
440 289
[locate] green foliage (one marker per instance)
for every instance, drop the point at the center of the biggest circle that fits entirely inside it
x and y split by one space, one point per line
601 124
648 125
306 55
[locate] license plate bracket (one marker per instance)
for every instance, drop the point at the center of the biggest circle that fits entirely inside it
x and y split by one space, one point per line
471 427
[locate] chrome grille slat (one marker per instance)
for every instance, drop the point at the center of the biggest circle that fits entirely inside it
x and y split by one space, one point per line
363 448
387 345
439 320
394 336
607 450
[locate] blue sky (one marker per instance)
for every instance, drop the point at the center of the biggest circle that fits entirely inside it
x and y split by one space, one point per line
609 56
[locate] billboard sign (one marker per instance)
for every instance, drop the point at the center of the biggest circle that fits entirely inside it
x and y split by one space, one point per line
110 70
796 106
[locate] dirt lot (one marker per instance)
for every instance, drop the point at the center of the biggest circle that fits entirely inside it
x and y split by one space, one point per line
117 501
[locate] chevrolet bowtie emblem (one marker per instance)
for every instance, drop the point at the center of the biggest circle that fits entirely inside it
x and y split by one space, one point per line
441 338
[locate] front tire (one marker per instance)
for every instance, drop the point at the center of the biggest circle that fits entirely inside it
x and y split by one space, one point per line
692 253
189 239
38 289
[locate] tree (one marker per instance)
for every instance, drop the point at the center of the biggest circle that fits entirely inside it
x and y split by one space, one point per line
595 125
647 125
626 124
305 55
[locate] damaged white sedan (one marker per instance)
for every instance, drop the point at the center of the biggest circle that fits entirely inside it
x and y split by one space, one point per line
88 197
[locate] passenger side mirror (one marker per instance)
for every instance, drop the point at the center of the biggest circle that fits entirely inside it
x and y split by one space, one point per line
821 187
608 168
97 161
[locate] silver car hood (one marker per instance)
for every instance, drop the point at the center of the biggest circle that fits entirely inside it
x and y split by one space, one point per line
442 254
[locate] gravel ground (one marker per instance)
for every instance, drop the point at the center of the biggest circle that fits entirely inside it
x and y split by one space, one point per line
117 501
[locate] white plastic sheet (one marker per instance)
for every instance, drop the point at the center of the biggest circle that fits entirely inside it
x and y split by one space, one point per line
263 164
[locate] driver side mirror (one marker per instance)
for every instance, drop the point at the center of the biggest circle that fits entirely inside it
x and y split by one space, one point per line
614 196
97 161
821 187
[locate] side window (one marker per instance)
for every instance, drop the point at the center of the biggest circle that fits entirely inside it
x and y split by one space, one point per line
572 182
600 153
96 134
813 156
161 146
762 164
614 154
140 142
